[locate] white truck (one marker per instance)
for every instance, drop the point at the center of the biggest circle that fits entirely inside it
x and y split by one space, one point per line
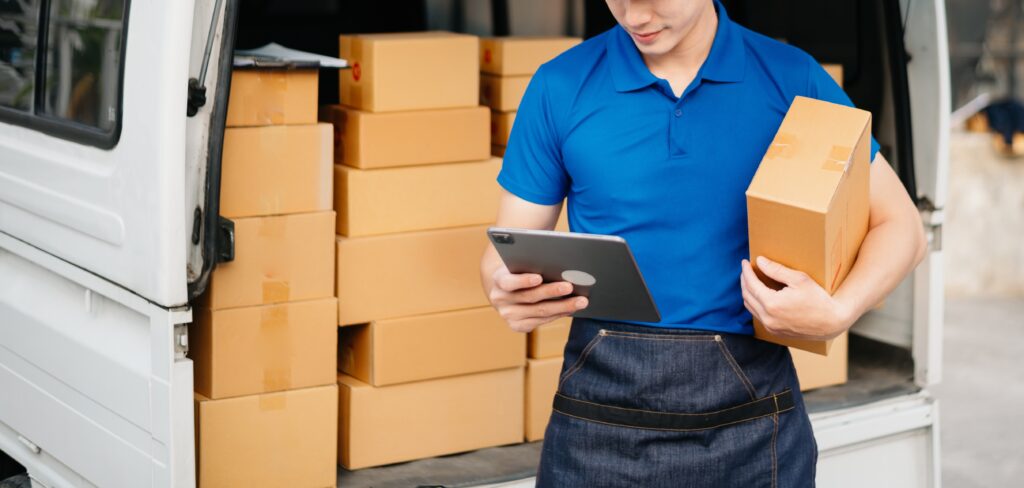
111 123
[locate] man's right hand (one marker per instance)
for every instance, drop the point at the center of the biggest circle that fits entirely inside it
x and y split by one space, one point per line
526 303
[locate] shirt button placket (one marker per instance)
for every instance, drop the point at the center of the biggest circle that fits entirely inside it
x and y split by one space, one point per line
676 132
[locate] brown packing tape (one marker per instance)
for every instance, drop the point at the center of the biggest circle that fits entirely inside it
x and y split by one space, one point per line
280 82
272 227
839 158
783 146
273 401
274 348
272 232
275 291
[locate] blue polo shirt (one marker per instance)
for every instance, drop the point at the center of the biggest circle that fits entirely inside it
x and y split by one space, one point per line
667 174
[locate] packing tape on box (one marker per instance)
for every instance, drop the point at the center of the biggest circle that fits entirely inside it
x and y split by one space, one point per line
838 158
783 146
272 227
326 177
275 346
276 291
273 401
278 83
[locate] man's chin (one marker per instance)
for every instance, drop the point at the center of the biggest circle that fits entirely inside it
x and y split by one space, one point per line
656 49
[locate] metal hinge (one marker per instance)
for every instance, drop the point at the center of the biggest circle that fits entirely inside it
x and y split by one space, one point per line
933 219
180 340
225 240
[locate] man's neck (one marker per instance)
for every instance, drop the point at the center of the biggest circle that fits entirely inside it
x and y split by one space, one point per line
680 65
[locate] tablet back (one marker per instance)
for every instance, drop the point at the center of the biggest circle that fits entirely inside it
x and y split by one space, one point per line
600 267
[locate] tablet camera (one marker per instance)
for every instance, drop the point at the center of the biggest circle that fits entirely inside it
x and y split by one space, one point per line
501 238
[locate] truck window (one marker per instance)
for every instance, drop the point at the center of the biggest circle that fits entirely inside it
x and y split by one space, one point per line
19 34
61 67
83 61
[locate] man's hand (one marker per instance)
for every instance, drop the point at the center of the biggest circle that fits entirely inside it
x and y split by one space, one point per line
525 303
802 310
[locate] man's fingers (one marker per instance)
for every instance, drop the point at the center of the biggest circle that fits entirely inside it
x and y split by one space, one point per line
753 305
544 292
546 309
752 284
778 272
512 282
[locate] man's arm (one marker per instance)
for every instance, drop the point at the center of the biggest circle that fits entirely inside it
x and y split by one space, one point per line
521 299
894 245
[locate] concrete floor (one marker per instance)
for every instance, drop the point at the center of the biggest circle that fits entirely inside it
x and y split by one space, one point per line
982 393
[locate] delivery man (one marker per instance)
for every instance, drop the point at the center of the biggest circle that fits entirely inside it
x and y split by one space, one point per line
653 130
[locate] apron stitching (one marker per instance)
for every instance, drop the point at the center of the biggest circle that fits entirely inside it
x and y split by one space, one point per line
775 436
774 397
661 337
739 372
669 430
578 365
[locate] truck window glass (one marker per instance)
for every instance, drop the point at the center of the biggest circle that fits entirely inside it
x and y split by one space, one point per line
83 61
19 34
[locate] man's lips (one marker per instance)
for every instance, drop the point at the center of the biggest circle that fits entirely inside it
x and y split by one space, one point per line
646 37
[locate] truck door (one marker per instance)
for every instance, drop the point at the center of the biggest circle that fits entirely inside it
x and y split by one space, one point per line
97 197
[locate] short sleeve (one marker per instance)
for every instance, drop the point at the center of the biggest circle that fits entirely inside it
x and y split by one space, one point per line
820 85
532 168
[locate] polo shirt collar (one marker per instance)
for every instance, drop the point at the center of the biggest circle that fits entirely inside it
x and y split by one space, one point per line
725 62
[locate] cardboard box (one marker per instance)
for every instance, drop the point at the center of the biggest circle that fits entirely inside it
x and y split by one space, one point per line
835 71
383 201
277 259
400 275
548 340
497 151
286 438
503 93
387 352
277 170
501 127
251 350
807 206
541 385
520 55
816 371
380 140
390 424
409 71
272 97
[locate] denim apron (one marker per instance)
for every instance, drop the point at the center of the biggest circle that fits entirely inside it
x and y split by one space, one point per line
653 407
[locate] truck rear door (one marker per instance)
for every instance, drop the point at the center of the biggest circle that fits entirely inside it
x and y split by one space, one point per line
95 388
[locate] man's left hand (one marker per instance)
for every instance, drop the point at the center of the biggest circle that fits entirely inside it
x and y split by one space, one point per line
801 310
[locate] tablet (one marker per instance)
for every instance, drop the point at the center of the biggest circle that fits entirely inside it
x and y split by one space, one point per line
600 268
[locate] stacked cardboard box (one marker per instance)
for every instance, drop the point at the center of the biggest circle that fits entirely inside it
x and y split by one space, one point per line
543 365
506 66
263 342
426 366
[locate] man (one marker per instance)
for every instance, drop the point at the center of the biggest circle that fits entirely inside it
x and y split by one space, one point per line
653 130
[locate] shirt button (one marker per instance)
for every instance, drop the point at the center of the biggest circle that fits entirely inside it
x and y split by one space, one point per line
679 112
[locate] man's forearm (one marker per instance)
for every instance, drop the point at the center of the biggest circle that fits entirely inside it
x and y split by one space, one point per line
889 252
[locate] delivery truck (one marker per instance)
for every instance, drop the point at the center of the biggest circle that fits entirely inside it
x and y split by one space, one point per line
112 119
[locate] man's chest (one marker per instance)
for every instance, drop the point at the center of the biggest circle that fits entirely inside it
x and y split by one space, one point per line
635 147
